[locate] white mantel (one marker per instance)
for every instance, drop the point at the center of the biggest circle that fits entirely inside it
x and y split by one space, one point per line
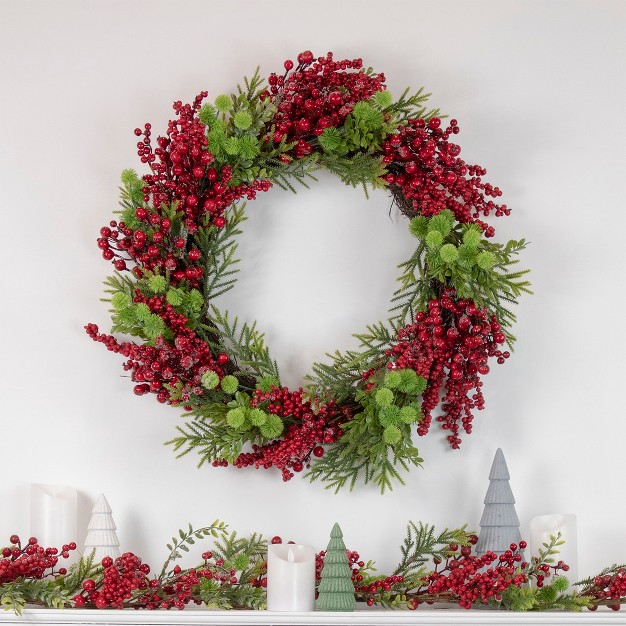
197 617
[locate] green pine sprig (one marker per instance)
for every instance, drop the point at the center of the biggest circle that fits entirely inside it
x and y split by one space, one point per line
423 543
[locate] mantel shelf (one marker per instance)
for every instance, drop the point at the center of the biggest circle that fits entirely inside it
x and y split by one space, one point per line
199 617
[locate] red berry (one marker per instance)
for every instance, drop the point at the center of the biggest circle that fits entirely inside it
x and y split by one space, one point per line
276 540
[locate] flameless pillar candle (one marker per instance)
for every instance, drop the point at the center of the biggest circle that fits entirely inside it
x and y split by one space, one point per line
290 578
542 526
53 514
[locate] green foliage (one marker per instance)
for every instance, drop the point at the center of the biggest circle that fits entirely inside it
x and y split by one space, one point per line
411 107
210 380
218 247
229 384
547 552
422 544
78 572
458 256
211 437
357 170
47 592
188 538
157 283
223 103
365 452
338 378
242 120
246 555
246 346
550 597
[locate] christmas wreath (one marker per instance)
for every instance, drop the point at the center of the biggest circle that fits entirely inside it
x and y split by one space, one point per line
174 252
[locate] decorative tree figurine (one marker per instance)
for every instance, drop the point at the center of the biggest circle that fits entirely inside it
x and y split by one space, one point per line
499 525
101 535
336 591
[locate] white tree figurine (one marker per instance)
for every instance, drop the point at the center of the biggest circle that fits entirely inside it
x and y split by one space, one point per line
499 525
101 535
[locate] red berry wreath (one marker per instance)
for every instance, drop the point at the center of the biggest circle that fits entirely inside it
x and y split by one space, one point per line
173 249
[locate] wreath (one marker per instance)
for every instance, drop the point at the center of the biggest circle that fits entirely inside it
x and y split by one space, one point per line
174 246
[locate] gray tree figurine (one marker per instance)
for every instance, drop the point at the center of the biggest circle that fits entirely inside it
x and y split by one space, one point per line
499 524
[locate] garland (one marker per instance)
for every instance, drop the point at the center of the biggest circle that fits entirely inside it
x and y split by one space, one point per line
434 567
174 253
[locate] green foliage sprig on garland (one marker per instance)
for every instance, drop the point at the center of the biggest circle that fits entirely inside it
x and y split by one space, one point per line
435 566
174 250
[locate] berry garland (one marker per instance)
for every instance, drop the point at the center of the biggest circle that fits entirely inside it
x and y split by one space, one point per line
435 567
173 249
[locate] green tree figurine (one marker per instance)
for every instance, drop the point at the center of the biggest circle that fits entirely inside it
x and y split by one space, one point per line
336 591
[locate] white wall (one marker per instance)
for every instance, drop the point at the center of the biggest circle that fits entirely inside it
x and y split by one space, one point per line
539 91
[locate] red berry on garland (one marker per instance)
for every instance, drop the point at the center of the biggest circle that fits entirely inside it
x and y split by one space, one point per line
276 540
318 451
194 254
120 265
222 358
79 601
288 64
219 221
179 243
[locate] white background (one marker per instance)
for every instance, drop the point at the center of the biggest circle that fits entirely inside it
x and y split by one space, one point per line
539 91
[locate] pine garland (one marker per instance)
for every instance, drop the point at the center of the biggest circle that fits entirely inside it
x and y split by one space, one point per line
174 249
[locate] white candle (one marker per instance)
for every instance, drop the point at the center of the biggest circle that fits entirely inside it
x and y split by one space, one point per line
53 515
542 526
290 578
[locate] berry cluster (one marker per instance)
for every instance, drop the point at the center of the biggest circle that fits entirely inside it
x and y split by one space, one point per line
180 364
427 175
469 578
182 178
31 561
120 579
317 94
449 345
607 589
307 427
